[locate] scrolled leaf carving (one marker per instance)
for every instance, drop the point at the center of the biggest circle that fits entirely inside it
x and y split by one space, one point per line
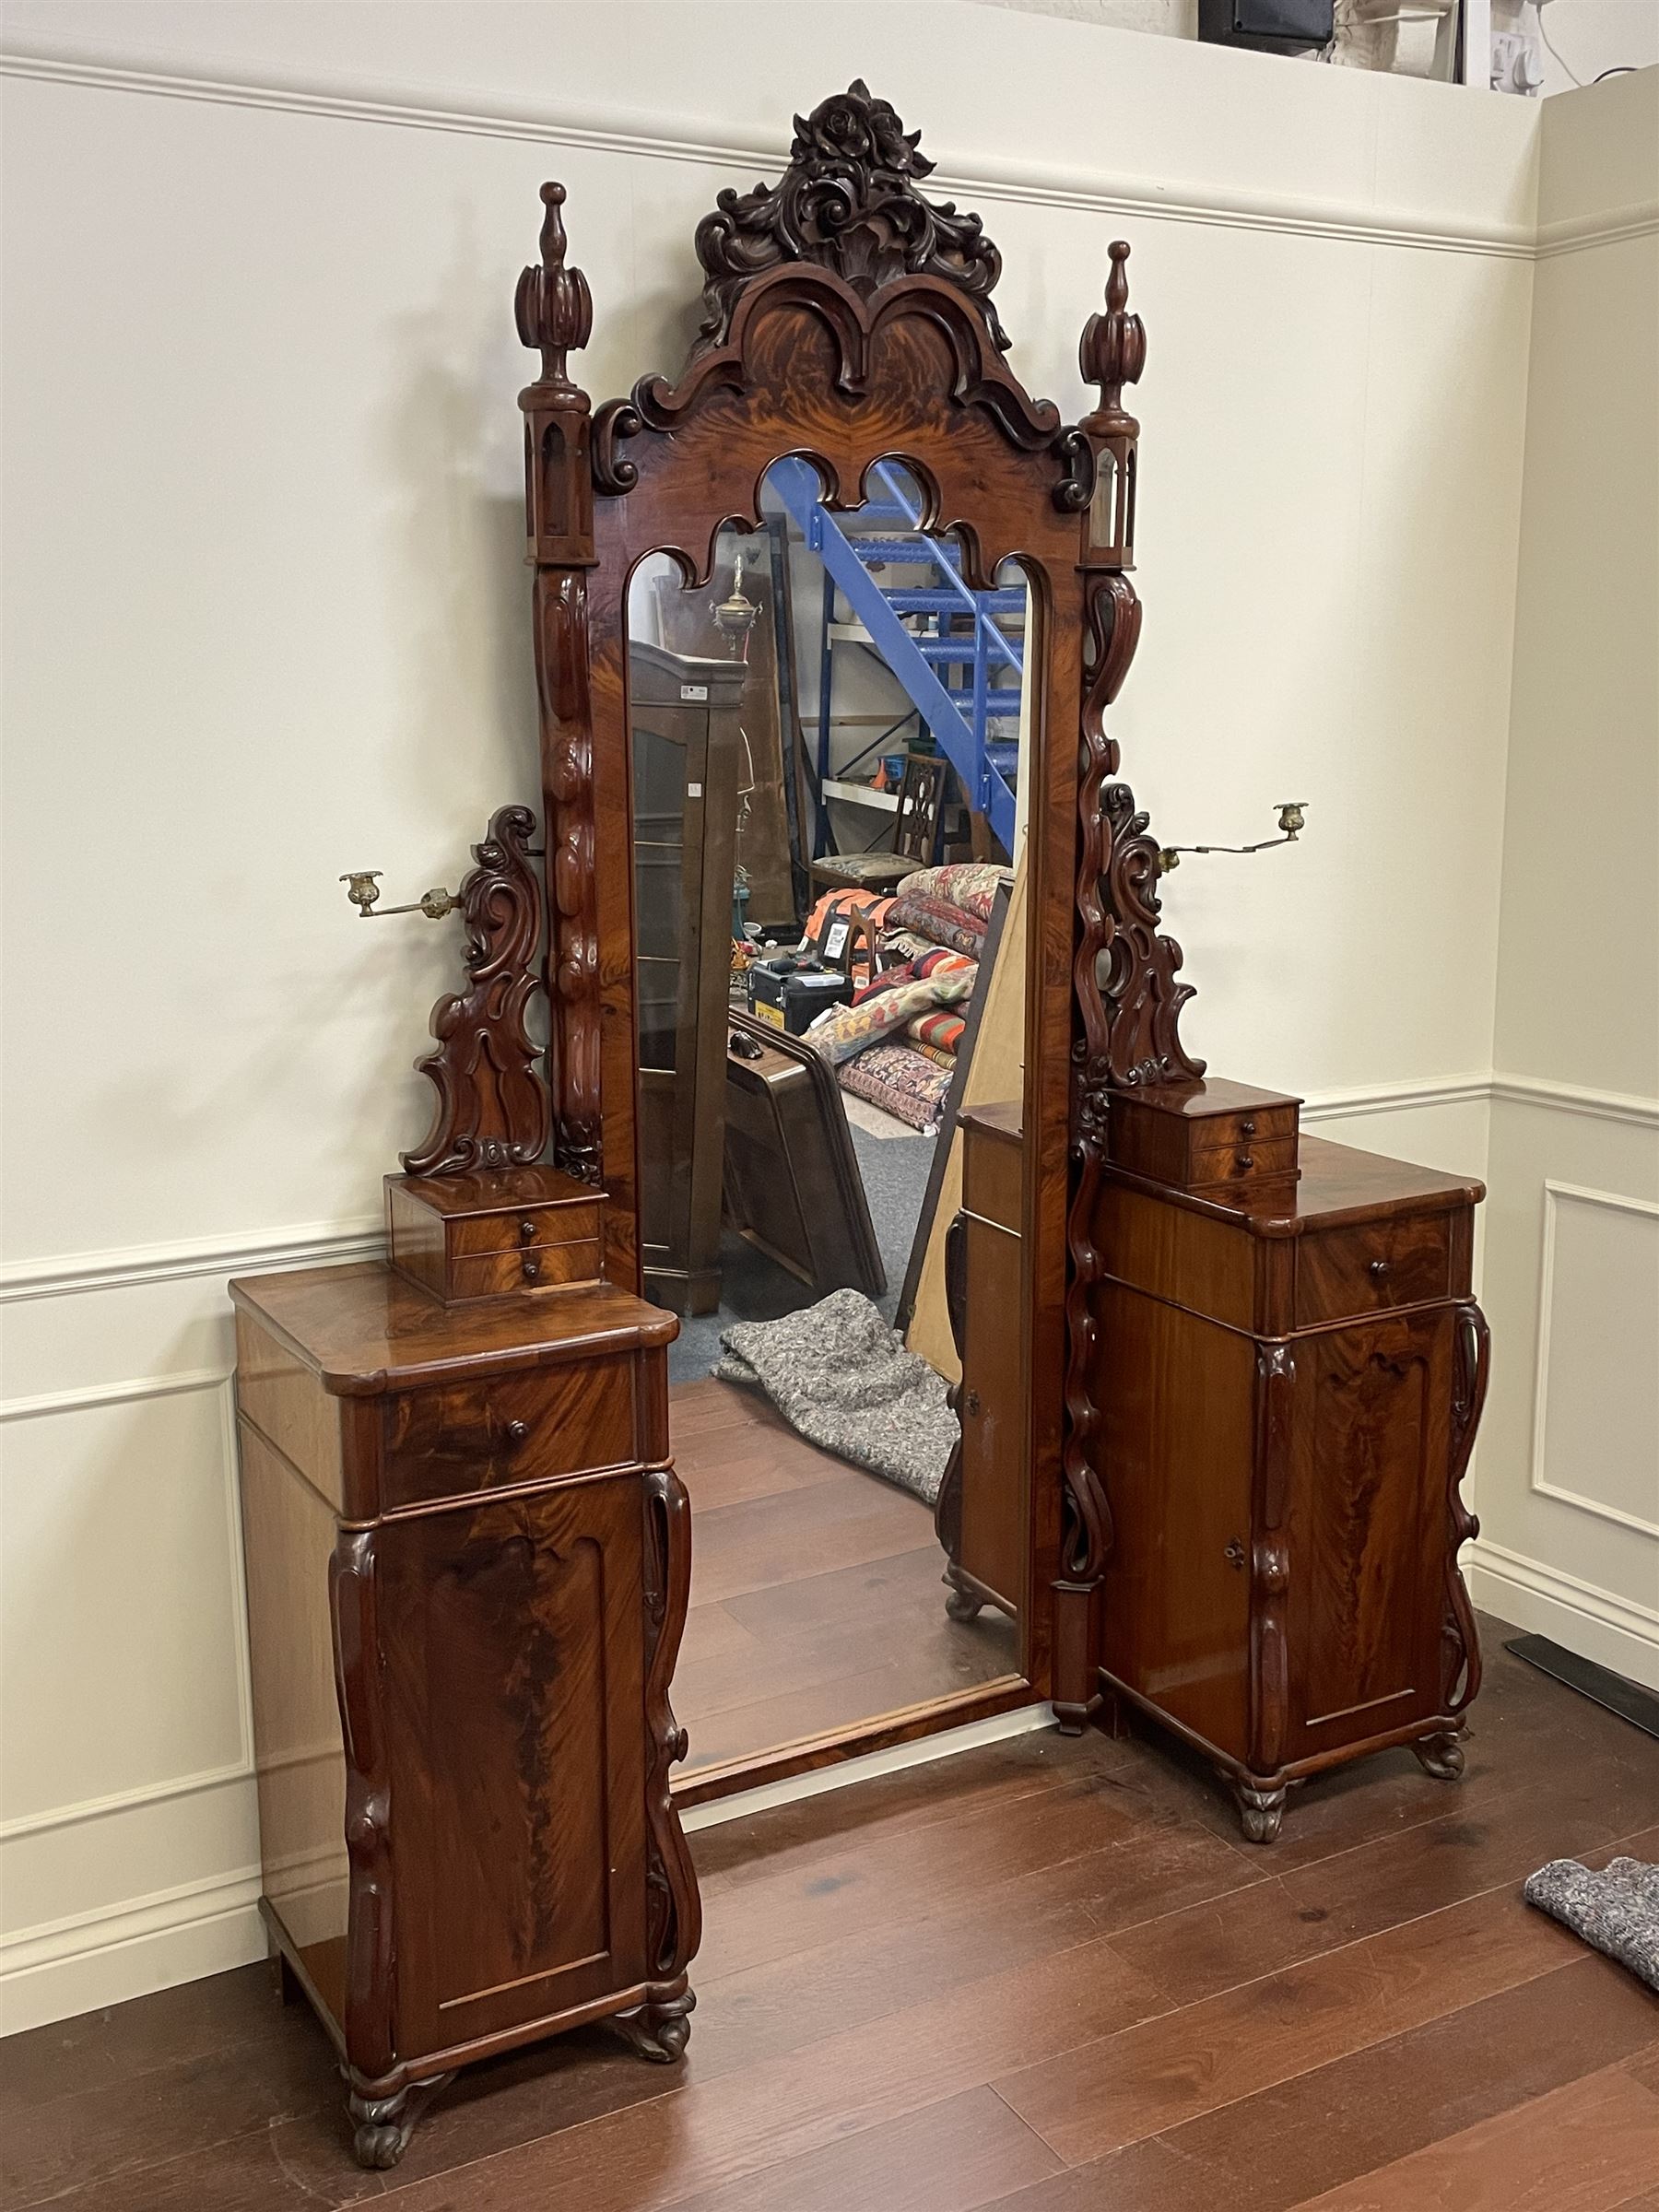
494 1109
849 200
1137 966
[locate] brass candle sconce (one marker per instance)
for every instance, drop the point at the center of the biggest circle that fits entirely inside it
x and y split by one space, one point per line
363 888
1292 820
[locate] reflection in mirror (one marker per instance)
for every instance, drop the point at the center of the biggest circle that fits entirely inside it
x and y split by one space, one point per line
832 764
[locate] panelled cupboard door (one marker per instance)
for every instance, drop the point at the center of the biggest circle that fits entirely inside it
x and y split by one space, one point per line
512 1651
1176 1439
1368 1511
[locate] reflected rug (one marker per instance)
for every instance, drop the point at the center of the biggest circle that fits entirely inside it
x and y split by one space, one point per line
842 1378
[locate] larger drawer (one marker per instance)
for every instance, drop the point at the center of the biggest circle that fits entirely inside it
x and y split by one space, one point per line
1343 1273
480 1436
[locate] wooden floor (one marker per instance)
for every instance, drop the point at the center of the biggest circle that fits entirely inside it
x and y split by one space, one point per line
1046 1976
816 1598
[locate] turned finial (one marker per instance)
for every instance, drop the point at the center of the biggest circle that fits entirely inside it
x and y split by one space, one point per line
553 306
1113 347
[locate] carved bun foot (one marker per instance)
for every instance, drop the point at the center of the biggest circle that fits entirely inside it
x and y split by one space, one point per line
1441 1754
1261 1812
658 2030
383 2125
963 1603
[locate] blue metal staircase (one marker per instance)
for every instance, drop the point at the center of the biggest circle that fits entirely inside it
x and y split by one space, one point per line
959 667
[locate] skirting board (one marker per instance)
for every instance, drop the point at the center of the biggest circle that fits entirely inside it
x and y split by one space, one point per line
139 1945
1596 1623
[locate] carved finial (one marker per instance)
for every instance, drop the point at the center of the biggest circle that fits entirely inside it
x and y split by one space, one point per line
1113 348
554 307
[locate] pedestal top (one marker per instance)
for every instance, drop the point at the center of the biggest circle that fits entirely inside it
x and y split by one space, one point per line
363 1330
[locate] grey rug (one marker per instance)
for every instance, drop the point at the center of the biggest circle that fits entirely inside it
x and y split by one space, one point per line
1617 1909
840 1376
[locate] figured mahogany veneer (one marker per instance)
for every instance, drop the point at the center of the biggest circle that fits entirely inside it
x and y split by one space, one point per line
1194 1136
468 1563
1289 1396
485 1234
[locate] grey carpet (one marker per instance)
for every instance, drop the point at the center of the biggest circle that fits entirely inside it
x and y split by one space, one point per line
840 1376
755 1289
1617 1909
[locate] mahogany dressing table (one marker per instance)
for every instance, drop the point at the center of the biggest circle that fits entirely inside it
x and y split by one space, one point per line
1242 1370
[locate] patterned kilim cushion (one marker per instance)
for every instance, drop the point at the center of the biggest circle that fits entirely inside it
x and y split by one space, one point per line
941 1030
939 920
906 1083
839 1032
970 884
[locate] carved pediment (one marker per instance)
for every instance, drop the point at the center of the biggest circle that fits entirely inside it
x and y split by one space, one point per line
848 201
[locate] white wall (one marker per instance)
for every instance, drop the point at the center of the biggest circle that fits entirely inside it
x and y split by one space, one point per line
265 623
1568 1489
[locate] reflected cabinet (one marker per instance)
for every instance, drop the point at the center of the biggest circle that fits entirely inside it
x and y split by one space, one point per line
686 747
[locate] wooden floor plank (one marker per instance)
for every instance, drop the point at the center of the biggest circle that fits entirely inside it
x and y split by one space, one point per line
799 1996
1341 2120
1149 2080
953 2157
976 1786
711 1632
710 2135
935 1655
1339 1899
735 1476
890 1880
1146 2177
1585 2149
769 1543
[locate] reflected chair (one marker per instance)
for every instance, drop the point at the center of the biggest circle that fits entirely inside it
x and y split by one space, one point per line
915 836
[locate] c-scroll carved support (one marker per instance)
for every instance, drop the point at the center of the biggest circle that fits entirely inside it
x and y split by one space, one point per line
1270 1559
372 1961
555 314
1460 1639
492 1098
673 1910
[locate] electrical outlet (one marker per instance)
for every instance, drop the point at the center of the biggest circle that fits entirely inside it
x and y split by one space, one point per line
1517 64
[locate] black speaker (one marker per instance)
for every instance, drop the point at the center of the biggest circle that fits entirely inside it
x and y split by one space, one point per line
1270 25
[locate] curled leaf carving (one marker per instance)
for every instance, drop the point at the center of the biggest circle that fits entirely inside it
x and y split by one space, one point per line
493 1105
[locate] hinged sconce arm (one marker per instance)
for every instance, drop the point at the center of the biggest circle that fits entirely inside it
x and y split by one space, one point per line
1292 819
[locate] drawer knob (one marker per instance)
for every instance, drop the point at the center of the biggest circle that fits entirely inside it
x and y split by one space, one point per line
1234 1553
532 1268
1246 1160
1247 1128
971 1403
527 1232
517 1431
1377 1270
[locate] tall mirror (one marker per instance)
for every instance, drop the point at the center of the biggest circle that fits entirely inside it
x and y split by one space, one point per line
831 753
